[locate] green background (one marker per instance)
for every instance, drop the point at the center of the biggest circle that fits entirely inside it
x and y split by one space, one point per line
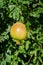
29 12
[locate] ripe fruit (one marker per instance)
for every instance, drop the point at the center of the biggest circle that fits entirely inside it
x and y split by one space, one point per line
18 31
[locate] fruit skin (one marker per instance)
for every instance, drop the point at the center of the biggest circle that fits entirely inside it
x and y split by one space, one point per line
18 31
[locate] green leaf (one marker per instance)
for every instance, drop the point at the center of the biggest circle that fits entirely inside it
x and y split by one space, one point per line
14 63
1 3
35 14
8 58
27 45
40 59
3 62
40 3
21 49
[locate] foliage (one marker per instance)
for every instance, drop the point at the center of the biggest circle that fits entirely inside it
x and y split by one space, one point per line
30 52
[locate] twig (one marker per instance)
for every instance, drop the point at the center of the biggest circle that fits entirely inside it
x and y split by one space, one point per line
30 58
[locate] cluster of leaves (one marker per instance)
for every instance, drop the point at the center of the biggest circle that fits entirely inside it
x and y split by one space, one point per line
30 52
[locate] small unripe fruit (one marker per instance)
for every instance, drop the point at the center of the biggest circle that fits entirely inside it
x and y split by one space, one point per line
18 31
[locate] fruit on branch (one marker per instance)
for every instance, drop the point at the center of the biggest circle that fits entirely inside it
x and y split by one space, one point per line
18 31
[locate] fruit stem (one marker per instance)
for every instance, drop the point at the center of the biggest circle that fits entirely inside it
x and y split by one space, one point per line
17 42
